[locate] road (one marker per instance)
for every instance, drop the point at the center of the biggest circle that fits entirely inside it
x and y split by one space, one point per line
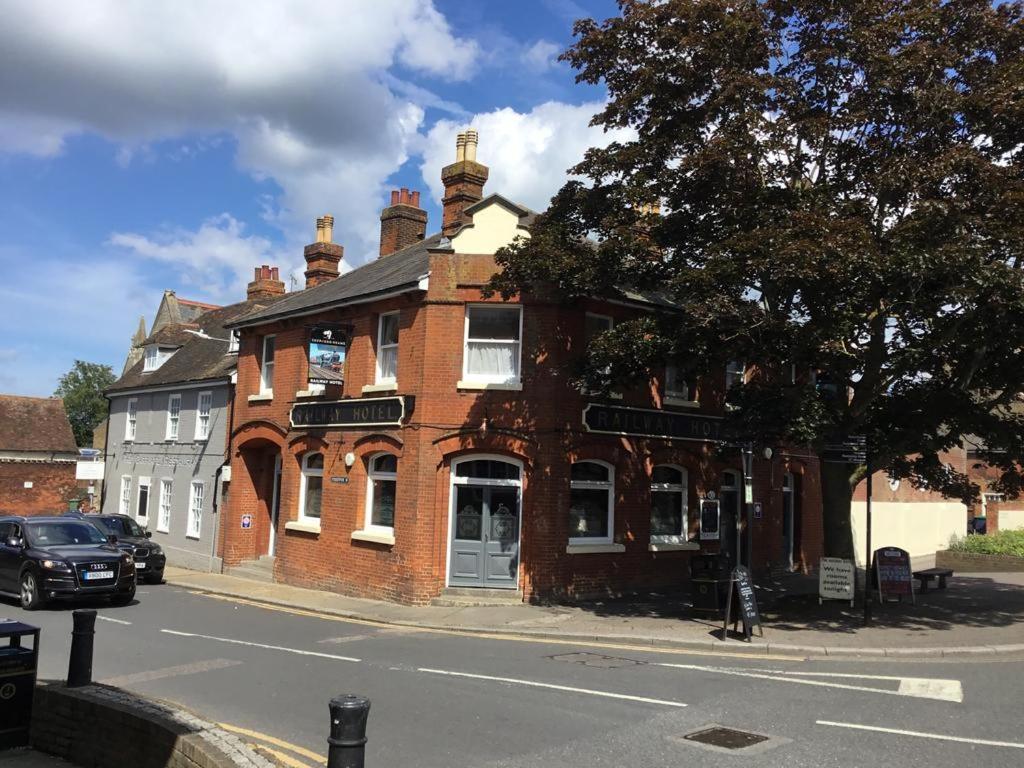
442 699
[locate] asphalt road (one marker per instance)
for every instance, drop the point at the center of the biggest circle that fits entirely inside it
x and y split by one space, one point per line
445 700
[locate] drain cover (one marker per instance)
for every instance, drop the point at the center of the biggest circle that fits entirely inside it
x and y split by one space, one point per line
595 660
725 738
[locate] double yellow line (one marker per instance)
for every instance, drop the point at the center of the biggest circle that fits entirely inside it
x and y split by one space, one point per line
260 741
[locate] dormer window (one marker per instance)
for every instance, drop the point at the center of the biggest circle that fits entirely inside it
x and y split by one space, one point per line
233 343
155 357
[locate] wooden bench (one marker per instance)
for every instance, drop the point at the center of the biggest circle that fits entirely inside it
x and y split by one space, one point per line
928 574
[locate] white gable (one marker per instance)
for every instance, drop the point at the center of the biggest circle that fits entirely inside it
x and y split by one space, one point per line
493 227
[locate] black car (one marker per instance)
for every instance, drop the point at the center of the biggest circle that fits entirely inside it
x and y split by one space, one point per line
149 557
47 558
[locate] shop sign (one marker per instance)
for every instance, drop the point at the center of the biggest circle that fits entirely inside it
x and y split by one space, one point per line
835 579
354 412
643 422
327 347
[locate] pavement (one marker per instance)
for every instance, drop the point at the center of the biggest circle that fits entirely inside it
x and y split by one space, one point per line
976 614
24 757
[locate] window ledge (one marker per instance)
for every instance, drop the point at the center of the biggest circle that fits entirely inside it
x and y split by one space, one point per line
190 536
306 393
594 549
262 397
296 525
392 387
681 402
163 530
374 537
508 386
689 546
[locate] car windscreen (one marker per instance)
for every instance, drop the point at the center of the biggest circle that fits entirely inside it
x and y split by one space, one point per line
119 526
62 534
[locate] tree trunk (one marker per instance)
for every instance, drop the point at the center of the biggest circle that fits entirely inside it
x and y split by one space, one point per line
837 484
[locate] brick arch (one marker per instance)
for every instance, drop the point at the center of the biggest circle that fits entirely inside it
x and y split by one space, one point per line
304 444
378 442
265 431
452 446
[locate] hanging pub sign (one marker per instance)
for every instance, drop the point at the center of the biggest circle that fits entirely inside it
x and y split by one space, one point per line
327 347
745 606
893 574
835 579
354 412
643 422
710 513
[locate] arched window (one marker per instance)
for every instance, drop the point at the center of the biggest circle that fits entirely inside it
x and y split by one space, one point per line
669 524
381 488
311 489
591 503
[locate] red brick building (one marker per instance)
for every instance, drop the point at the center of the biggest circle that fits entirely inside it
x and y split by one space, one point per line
38 456
455 452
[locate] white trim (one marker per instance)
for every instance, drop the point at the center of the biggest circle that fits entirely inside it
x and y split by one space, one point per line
515 386
686 546
194 523
376 535
454 481
144 482
789 531
370 388
467 380
199 437
606 485
371 475
267 377
172 386
131 421
297 525
385 380
594 549
306 473
124 502
308 392
165 500
262 397
172 435
684 490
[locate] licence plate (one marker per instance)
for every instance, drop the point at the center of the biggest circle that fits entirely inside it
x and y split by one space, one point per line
139 566
93 575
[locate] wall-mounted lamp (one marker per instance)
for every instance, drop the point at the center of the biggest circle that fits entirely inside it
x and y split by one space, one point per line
350 459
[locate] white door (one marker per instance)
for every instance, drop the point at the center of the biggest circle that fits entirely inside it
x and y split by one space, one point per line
275 505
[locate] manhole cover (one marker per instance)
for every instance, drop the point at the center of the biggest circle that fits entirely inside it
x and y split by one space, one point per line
596 660
725 738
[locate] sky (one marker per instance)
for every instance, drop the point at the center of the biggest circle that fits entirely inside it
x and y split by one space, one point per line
149 145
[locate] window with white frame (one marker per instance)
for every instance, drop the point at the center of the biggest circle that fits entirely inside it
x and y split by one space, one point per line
267 366
311 489
142 505
591 503
173 416
163 518
233 339
195 510
735 374
381 488
492 344
151 359
203 407
669 524
677 386
126 495
387 348
131 418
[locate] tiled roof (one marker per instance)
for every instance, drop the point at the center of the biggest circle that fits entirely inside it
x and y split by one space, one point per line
35 424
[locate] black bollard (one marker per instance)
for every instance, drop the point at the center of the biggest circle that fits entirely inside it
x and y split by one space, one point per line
348 732
80 661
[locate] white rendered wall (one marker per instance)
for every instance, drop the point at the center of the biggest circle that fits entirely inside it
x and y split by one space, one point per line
921 528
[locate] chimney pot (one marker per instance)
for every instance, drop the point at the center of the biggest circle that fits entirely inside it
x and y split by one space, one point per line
275 273
416 198
394 197
265 285
460 148
463 182
320 229
328 228
472 139
403 223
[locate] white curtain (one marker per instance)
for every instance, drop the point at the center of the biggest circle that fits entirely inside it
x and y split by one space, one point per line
389 362
494 358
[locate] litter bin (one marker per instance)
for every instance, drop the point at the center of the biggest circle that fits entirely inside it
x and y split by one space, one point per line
18 666
709 582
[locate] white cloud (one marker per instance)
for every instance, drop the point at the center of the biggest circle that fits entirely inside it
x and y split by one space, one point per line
528 153
541 56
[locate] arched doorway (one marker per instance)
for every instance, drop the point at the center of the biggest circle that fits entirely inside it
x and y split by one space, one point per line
261 459
485 522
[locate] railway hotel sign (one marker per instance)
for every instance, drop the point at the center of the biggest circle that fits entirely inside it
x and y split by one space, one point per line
618 420
354 412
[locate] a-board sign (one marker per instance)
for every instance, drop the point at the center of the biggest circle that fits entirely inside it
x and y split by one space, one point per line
893 574
742 591
835 579
709 520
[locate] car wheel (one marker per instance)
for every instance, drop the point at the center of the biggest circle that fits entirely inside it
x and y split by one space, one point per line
124 598
31 597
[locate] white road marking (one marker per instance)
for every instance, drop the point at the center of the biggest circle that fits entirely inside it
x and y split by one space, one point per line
917 687
181 669
552 686
261 645
116 621
922 735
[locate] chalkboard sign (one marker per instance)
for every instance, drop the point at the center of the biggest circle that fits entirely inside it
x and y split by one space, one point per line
893 574
709 520
746 605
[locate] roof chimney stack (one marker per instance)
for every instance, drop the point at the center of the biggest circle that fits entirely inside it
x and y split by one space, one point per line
463 182
402 223
323 256
266 283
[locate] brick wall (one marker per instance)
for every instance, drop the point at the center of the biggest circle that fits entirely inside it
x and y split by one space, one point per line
53 485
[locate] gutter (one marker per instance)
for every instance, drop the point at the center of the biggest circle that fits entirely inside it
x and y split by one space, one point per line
232 389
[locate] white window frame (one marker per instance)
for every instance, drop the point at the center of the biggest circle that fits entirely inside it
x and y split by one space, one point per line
381 346
684 489
676 397
163 514
608 485
125 502
730 376
173 417
147 483
371 475
131 421
233 342
150 358
203 428
477 378
267 369
194 526
304 478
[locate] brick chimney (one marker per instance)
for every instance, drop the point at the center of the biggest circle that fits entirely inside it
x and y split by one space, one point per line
463 182
402 223
322 257
266 283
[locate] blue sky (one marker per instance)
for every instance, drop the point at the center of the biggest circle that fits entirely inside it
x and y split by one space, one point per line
149 145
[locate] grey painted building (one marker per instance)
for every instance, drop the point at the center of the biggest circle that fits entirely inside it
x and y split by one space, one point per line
168 430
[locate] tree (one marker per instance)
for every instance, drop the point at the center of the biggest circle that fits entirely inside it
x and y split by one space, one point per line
832 185
82 391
